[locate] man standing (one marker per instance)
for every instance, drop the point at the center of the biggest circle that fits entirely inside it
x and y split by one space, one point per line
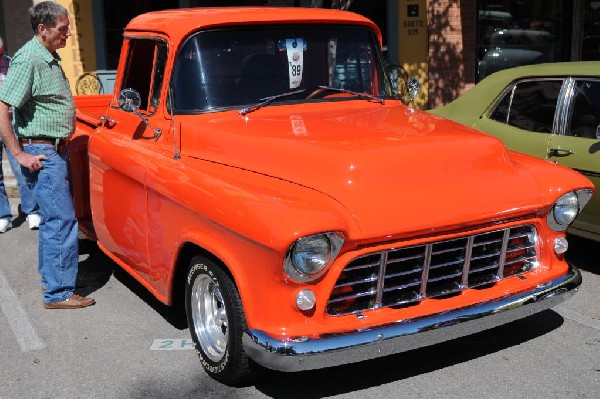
37 88
28 204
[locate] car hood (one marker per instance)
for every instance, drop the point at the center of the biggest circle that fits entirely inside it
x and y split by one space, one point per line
393 168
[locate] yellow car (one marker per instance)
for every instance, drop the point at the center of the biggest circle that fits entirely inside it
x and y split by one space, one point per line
551 111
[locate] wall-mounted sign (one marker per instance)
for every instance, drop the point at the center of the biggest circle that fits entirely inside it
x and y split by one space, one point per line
412 10
413 44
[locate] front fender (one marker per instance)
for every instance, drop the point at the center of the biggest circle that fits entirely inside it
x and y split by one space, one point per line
244 219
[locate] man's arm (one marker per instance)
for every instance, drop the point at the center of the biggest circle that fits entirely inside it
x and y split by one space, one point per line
8 137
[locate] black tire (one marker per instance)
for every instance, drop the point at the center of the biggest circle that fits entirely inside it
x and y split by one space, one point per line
216 320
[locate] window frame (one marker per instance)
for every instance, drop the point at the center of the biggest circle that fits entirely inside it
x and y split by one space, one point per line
569 104
379 78
510 91
155 76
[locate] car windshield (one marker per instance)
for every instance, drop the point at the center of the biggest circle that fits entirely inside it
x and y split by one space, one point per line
239 66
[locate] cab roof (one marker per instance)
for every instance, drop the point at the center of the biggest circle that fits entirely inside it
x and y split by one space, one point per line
178 23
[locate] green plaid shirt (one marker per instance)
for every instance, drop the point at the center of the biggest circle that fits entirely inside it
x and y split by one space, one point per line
38 89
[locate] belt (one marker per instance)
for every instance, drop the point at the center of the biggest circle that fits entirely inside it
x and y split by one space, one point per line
43 140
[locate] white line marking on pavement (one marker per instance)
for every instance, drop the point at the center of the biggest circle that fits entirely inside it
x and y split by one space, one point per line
172 344
578 317
17 318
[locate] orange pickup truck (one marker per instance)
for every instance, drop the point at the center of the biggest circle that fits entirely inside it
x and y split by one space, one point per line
260 166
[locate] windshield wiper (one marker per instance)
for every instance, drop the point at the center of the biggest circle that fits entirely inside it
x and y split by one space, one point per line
363 96
267 100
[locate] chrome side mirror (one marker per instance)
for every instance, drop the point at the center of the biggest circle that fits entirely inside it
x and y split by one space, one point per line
403 88
413 87
130 101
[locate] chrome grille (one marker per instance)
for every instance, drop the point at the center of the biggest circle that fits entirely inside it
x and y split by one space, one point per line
405 276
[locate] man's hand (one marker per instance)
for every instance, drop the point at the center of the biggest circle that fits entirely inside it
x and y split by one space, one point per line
7 135
31 162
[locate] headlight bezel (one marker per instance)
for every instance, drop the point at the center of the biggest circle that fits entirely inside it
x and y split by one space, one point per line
566 208
333 240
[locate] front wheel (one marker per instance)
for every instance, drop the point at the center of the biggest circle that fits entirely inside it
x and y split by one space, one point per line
217 321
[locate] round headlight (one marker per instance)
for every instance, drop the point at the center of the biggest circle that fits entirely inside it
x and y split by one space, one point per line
311 254
309 257
564 211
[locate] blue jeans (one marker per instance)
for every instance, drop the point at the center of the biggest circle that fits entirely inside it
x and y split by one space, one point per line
58 248
28 204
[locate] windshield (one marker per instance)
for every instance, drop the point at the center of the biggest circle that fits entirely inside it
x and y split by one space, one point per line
236 67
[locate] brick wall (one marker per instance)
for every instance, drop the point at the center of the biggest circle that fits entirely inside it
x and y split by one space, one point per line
452 50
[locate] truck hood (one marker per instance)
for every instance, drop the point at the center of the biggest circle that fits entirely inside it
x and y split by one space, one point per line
393 168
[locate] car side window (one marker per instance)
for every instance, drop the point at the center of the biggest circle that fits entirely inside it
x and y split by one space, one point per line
529 105
145 69
585 115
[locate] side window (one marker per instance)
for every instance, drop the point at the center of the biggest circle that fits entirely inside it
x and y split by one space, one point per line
530 105
500 114
158 75
145 70
585 116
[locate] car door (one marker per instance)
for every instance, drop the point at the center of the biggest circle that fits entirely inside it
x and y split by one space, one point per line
121 150
524 117
578 144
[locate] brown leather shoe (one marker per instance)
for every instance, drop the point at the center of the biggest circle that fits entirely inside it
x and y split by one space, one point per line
73 302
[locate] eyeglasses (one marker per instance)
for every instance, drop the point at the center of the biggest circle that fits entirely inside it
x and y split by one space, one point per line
63 30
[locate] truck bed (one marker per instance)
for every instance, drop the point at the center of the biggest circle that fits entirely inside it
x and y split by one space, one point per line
91 108
89 111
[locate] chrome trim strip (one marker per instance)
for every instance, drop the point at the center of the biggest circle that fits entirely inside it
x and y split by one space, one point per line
425 271
502 260
563 105
587 173
313 353
512 96
381 279
467 264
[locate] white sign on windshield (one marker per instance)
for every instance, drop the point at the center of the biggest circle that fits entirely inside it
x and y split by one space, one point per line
295 55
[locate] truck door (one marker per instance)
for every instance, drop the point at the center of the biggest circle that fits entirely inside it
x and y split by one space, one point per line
120 152
578 145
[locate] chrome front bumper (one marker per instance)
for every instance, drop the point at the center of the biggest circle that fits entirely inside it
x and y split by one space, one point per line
402 336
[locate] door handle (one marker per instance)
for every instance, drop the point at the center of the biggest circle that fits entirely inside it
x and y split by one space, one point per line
106 119
558 152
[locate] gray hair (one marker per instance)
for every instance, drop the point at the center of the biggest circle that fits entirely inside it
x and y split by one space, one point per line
45 13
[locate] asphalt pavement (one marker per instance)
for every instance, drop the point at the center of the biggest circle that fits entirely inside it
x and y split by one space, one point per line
129 345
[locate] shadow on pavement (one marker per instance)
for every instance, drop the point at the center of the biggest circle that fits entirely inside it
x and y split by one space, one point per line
97 270
583 253
174 315
355 377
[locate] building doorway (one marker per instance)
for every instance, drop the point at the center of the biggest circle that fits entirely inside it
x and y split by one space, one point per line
590 47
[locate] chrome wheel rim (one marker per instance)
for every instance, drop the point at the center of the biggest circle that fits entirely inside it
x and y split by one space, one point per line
209 317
